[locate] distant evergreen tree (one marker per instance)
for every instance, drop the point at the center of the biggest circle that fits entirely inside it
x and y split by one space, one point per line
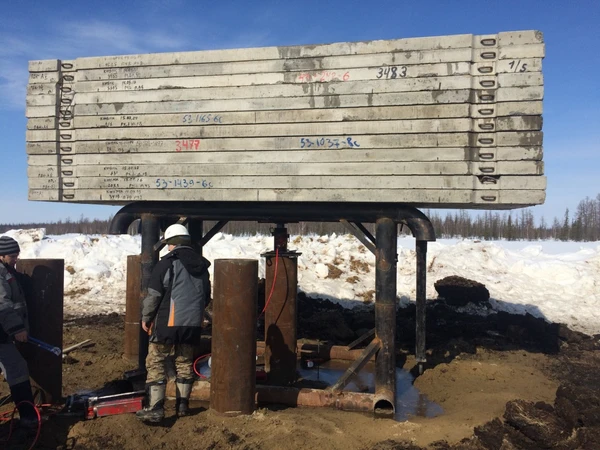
585 225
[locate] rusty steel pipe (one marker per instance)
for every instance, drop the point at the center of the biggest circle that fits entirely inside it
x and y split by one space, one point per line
421 302
44 286
148 259
280 317
324 352
234 336
290 396
385 315
196 230
132 308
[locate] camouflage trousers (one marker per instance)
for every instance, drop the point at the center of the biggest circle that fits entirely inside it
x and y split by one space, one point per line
158 356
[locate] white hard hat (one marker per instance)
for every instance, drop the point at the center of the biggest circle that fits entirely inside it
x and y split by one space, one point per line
176 230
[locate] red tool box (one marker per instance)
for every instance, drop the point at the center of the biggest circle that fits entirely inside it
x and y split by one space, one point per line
110 405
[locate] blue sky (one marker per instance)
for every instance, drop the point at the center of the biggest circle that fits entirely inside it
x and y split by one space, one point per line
31 30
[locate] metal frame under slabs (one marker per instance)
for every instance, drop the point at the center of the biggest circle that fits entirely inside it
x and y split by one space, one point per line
386 216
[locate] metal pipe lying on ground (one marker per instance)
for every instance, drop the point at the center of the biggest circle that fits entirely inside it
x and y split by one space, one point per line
290 396
324 352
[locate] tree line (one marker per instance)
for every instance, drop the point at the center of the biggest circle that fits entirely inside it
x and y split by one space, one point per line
583 224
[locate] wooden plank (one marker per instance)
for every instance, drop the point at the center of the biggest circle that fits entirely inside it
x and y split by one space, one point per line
296 182
422 198
184 165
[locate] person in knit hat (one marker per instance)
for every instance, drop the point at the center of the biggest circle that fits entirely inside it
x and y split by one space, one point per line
13 327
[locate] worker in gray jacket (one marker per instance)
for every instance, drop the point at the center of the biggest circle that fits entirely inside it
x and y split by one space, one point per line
13 327
172 312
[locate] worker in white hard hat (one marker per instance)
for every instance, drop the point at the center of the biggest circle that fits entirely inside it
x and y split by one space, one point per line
172 312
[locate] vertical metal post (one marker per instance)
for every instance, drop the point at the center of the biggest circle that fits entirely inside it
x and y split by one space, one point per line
132 308
195 227
281 282
233 381
421 249
385 315
148 259
43 282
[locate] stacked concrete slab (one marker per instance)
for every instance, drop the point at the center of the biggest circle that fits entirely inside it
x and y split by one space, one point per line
450 121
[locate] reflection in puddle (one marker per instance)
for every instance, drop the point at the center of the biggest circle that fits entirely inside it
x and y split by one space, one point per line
409 401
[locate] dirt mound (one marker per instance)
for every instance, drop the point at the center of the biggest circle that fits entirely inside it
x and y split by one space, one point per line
459 291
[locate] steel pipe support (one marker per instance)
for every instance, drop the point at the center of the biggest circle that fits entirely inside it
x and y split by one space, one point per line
148 259
132 308
421 253
44 285
280 317
385 315
234 336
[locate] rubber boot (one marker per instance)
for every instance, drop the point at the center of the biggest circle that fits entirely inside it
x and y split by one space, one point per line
23 398
182 401
155 410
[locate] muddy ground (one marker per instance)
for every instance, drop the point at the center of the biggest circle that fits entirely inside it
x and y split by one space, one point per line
503 382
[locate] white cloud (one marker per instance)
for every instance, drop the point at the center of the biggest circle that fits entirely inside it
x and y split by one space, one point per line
85 38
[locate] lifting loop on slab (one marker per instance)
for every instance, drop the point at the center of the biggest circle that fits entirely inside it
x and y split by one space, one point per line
488 42
488 55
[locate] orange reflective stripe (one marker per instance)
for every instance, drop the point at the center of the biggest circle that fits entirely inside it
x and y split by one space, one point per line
172 314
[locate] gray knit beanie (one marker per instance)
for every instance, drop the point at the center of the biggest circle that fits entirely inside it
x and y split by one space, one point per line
8 246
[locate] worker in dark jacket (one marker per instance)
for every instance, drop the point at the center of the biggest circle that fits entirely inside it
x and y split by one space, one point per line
172 313
13 327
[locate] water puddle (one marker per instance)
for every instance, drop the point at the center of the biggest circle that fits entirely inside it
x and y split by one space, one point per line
409 401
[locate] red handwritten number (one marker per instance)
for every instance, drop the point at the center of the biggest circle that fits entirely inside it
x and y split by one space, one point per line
177 146
196 143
